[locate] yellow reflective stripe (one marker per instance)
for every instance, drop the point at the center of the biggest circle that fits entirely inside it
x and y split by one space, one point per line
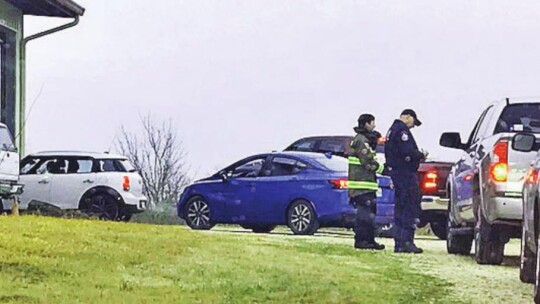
354 160
362 185
380 169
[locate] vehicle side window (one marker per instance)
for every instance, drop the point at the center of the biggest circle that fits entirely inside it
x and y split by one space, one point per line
52 166
486 121
251 168
28 165
473 137
334 145
79 166
305 145
286 166
110 165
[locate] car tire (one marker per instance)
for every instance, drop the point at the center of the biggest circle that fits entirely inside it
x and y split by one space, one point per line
197 214
104 206
489 250
527 265
537 273
301 218
385 231
439 229
460 244
261 228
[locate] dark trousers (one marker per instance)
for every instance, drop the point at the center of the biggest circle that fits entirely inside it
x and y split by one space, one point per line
364 225
407 207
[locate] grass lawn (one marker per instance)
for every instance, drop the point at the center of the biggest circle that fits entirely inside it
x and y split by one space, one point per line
48 260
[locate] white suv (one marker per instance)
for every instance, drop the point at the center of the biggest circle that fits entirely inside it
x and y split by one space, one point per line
98 183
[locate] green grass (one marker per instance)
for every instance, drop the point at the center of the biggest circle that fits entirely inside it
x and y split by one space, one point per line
48 260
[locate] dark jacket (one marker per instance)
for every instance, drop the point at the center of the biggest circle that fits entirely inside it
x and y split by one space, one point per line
363 165
401 151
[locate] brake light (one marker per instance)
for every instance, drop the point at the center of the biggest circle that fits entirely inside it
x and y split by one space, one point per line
340 183
430 180
126 184
499 164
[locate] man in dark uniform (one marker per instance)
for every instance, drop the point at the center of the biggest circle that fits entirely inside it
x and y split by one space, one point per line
362 182
403 159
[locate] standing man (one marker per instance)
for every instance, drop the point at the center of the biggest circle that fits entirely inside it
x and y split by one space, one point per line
403 159
362 183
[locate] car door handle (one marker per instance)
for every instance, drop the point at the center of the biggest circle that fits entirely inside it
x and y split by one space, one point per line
88 181
43 181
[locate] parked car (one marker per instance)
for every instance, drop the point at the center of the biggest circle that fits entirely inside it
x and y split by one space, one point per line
9 169
302 190
529 257
486 184
99 183
432 176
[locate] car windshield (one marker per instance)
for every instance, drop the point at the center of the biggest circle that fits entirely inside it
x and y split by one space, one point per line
6 142
519 118
339 164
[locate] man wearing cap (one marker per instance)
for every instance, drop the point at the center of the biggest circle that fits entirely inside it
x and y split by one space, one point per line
362 182
403 159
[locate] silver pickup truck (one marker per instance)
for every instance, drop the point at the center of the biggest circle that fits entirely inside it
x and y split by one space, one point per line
485 185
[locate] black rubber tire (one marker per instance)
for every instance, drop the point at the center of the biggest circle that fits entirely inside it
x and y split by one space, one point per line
301 218
385 231
489 250
197 214
457 244
527 265
439 229
262 228
537 273
104 206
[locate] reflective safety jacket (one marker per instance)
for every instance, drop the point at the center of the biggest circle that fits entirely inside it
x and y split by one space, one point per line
363 165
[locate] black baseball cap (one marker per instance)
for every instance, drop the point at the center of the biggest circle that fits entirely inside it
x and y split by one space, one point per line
417 122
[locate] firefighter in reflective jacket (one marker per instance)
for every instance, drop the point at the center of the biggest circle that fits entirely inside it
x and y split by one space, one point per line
403 159
362 183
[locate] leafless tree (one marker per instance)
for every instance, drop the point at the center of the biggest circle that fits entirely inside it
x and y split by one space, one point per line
158 154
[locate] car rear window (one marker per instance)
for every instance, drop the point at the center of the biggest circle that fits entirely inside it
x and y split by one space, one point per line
334 163
519 117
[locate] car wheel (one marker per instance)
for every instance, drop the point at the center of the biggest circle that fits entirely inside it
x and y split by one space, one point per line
104 206
386 231
488 248
457 243
439 229
301 218
527 264
537 273
261 228
198 214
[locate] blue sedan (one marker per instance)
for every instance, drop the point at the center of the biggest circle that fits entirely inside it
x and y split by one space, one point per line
302 190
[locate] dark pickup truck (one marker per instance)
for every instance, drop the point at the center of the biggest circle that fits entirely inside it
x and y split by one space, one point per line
432 176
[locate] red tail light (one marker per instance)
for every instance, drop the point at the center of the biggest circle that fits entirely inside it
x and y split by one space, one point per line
340 183
430 180
499 163
126 184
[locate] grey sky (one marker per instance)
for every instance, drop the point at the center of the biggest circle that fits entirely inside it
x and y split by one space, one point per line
241 77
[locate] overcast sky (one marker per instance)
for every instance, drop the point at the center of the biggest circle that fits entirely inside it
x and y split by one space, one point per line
242 77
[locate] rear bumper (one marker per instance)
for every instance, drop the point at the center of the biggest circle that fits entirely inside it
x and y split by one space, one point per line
434 203
134 203
504 209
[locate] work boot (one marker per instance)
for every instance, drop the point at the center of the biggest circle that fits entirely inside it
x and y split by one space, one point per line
369 245
408 247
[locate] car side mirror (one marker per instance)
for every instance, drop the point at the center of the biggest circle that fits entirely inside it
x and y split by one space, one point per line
523 142
223 175
451 140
